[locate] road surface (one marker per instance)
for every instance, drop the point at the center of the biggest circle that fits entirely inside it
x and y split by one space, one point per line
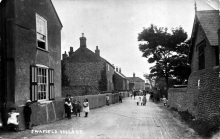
118 121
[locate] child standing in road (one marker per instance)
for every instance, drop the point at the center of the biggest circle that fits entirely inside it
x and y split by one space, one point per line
78 108
86 107
13 121
27 115
68 107
107 100
164 101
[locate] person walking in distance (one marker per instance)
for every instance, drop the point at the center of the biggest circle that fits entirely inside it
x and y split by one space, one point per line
107 99
86 107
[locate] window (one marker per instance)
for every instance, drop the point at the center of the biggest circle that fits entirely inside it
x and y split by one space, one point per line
41 27
216 55
201 56
42 83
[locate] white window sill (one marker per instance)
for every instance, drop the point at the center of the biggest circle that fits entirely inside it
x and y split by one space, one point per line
44 101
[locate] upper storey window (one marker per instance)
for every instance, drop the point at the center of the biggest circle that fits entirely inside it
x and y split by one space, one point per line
201 55
41 27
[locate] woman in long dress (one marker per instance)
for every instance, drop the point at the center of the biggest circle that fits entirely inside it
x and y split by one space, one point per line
86 107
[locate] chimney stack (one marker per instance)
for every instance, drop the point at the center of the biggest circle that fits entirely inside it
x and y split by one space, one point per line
97 51
71 52
82 41
133 74
64 56
119 70
116 69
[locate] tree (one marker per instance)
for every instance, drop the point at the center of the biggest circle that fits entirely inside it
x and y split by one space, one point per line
163 49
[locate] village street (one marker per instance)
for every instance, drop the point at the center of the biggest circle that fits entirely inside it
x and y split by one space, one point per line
118 121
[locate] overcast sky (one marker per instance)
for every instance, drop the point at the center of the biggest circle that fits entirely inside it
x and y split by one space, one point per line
113 26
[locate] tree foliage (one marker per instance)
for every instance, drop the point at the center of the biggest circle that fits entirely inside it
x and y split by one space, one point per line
168 50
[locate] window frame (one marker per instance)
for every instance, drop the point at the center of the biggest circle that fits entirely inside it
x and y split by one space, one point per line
37 16
201 55
37 78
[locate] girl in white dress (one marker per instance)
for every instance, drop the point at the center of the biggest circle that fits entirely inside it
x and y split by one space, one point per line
86 107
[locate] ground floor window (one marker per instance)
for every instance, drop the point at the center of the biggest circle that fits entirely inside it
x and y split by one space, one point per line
42 83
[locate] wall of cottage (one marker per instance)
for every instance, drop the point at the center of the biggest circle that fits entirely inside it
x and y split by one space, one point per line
109 74
21 41
202 96
84 78
119 82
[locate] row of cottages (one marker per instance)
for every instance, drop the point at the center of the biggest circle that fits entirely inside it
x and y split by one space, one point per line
136 83
120 81
202 98
30 46
86 73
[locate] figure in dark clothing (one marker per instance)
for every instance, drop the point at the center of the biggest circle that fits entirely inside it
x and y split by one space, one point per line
78 108
68 107
135 93
27 115
74 107
120 98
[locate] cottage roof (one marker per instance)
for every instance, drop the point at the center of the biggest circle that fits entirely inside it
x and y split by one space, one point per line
210 22
135 79
120 74
84 55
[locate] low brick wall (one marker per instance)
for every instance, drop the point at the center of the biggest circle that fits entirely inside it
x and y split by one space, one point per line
176 98
201 101
96 101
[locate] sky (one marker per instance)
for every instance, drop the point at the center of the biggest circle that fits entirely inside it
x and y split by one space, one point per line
113 26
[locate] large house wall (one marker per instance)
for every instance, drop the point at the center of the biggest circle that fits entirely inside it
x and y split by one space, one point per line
22 52
119 82
202 97
25 50
83 77
139 86
109 74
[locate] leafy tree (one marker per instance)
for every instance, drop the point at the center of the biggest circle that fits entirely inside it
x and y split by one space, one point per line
167 50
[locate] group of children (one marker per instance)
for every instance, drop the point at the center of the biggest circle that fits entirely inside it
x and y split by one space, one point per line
142 100
75 107
13 121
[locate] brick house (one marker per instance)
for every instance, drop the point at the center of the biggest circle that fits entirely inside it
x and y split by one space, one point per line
202 98
136 83
88 73
120 81
30 43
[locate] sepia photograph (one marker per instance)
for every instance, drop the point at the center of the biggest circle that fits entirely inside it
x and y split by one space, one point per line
109 69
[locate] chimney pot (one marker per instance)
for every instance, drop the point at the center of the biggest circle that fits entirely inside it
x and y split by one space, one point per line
82 41
97 51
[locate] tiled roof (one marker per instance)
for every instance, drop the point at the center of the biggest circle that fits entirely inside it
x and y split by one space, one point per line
209 20
135 79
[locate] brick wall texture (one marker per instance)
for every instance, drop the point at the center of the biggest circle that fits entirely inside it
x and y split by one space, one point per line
202 96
